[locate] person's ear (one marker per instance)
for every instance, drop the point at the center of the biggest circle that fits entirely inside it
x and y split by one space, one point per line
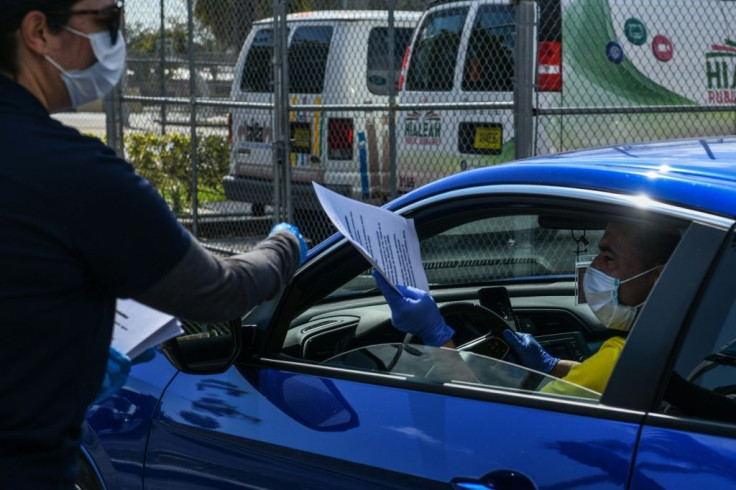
34 32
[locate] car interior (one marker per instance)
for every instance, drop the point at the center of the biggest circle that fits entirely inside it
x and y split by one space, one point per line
490 266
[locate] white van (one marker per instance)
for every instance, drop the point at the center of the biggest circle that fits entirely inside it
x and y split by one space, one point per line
589 54
334 57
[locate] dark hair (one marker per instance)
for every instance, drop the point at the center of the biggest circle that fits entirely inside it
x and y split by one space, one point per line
655 243
13 12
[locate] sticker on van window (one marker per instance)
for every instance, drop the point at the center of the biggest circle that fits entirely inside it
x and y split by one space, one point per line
663 48
614 52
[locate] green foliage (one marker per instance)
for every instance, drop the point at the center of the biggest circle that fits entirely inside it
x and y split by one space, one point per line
165 161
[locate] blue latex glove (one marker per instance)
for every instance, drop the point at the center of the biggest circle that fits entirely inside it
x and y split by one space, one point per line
414 311
530 353
118 367
293 229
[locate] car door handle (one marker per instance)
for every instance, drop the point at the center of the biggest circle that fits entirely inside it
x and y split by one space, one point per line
496 480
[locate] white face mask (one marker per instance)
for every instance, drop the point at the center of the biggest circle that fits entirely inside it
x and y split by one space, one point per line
601 294
99 79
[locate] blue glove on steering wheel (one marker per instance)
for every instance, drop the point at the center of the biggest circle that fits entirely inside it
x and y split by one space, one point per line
414 311
530 353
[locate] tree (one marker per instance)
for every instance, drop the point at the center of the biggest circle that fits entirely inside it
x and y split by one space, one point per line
231 20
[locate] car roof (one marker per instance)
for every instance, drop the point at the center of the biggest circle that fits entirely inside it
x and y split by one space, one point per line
347 15
698 173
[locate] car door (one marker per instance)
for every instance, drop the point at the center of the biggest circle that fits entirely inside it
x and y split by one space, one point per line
689 440
278 420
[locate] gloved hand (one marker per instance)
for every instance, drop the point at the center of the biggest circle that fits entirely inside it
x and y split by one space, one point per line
118 367
293 229
530 353
414 311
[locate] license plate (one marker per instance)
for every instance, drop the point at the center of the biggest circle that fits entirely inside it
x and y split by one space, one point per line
488 138
301 141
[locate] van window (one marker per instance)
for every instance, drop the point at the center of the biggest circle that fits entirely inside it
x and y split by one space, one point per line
257 69
378 61
435 50
489 62
308 53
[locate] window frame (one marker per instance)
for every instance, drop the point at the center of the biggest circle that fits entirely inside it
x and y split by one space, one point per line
704 327
274 324
638 381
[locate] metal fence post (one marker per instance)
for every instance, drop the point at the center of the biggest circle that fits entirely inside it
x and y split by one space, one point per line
524 86
110 131
193 115
392 101
114 120
281 164
162 20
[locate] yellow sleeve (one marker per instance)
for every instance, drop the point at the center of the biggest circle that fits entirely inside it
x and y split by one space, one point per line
594 372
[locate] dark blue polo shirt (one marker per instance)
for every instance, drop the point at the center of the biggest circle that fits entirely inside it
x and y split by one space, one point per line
78 228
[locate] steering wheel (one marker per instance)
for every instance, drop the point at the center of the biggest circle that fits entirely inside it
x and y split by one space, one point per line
473 324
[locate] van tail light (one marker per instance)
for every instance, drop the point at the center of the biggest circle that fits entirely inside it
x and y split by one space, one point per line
402 75
549 66
340 139
230 129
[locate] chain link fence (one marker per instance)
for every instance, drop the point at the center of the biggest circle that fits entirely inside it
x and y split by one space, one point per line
233 108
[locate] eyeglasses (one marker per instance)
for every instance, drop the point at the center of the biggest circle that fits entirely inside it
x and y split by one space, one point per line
109 16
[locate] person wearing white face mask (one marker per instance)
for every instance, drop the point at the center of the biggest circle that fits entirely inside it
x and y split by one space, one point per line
79 229
616 285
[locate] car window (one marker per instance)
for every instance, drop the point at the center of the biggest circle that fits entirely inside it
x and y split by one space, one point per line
379 60
257 70
704 382
435 51
308 52
424 364
489 61
471 250
496 248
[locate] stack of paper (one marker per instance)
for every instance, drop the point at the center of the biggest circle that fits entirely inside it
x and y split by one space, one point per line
139 327
388 241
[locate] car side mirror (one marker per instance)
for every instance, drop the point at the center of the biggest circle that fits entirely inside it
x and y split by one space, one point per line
209 348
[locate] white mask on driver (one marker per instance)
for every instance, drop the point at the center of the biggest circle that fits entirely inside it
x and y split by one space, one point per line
601 294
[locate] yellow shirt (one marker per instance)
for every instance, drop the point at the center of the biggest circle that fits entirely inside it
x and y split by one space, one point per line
594 372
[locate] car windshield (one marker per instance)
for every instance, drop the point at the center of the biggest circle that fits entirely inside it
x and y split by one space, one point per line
499 248
424 364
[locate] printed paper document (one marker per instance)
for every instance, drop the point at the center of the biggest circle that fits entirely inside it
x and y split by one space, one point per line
388 241
139 327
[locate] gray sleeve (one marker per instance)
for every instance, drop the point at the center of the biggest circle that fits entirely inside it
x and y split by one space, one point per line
202 287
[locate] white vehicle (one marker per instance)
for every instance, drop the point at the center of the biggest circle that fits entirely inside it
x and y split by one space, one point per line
334 57
588 54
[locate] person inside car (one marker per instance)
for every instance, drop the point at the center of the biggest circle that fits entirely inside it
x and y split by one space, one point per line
616 284
79 229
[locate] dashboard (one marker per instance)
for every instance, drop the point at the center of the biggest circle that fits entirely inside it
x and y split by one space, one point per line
478 315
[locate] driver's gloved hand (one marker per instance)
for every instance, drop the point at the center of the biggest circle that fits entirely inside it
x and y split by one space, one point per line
530 353
414 311
118 367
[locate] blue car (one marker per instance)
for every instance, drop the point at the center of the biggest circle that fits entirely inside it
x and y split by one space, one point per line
317 390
